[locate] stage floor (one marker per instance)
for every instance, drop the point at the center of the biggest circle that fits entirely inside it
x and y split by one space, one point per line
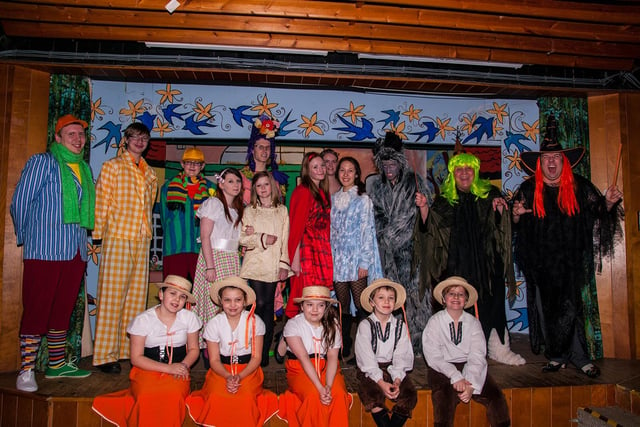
625 373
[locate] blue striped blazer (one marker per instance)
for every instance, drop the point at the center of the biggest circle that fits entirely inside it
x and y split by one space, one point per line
36 209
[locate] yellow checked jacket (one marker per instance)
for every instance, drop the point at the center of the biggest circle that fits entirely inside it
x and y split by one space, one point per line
125 194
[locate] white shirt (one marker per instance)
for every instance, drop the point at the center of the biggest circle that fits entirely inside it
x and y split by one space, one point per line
401 359
440 352
213 209
219 330
148 325
299 327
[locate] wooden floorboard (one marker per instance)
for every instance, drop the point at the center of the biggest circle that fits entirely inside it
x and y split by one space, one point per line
535 399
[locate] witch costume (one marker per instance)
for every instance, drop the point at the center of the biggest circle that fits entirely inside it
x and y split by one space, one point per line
558 254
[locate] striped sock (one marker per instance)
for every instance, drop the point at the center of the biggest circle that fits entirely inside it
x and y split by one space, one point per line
29 345
56 340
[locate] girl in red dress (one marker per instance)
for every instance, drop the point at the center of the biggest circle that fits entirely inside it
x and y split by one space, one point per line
310 231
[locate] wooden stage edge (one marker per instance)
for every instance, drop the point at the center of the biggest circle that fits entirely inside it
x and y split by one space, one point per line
535 399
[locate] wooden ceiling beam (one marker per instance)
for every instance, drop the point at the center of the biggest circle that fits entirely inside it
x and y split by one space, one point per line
339 44
622 31
444 36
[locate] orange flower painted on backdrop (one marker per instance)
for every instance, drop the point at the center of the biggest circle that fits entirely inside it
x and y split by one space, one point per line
202 111
93 252
354 112
133 110
399 130
514 160
531 131
264 107
412 113
162 127
468 122
168 94
95 109
310 125
443 127
498 111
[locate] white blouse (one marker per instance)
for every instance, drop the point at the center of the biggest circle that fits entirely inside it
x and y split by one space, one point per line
148 325
218 330
299 327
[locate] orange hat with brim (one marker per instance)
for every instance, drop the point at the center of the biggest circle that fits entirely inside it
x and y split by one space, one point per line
69 119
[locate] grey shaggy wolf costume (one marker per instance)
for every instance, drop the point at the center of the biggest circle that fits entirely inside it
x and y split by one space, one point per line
395 214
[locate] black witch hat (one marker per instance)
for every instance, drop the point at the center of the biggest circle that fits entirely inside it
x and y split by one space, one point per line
550 144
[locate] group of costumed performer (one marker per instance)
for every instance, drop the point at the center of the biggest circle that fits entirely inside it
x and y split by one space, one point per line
467 233
563 228
393 193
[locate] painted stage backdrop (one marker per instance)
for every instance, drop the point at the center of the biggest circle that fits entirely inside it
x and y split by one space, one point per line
218 120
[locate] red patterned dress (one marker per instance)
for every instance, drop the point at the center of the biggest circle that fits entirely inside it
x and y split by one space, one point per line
310 227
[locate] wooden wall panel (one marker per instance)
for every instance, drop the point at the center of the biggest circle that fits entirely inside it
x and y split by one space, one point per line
541 407
23 115
614 121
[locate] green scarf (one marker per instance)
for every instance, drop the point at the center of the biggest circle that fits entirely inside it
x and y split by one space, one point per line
71 212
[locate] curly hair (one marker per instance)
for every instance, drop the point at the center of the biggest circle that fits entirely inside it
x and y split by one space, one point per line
479 187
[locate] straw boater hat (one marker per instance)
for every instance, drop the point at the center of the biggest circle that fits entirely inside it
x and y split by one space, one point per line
179 283
550 144
401 294
234 282
456 281
317 293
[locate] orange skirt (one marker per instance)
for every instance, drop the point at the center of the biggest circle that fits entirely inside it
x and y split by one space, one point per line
250 406
153 399
300 405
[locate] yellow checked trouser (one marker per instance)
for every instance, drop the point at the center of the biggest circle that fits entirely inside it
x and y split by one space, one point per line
122 294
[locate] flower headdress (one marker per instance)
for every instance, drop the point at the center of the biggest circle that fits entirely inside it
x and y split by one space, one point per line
267 128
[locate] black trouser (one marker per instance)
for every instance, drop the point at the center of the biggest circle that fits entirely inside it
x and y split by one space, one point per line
445 399
265 296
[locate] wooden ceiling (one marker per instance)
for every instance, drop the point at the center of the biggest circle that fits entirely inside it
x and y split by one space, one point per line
564 47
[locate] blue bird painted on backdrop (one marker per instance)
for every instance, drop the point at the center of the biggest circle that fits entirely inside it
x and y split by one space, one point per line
147 119
485 128
193 126
392 117
359 133
114 133
284 124
169 113
514 139
522 319
239 115
430 132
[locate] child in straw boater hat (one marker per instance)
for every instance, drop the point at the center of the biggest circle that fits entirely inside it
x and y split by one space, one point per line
232 394
164 345
384 355
455 350
317 395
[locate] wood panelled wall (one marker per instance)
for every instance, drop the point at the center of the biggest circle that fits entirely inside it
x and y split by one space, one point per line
614 124
24 108
529 407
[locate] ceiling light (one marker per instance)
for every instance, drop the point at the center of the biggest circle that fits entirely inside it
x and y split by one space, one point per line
255 49
445 61
172 6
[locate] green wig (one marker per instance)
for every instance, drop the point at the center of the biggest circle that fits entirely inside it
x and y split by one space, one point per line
479 187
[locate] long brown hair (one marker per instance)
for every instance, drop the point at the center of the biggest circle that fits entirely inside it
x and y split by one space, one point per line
329 326
306 181
275 191
237 200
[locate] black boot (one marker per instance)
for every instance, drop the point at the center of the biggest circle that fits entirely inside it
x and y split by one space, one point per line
397 420
346 335
381 419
